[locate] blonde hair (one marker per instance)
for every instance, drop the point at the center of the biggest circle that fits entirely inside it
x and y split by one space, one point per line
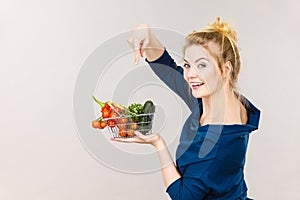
225 37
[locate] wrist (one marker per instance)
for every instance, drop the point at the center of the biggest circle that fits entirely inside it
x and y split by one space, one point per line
154 48
159 144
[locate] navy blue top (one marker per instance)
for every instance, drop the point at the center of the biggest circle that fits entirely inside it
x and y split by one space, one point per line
210 158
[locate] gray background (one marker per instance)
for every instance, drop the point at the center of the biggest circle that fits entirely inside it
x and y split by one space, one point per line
43 45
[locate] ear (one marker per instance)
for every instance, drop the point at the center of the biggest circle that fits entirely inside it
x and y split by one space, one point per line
227 69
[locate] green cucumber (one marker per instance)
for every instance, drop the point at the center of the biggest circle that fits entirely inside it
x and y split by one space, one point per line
148 107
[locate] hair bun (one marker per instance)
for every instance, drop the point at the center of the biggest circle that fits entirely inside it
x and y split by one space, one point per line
223 28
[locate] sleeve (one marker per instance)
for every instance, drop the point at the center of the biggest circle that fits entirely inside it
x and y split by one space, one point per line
196 182
172 75
186 188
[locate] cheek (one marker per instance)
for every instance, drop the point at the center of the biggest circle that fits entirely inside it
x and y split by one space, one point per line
186 80
184 75
212 79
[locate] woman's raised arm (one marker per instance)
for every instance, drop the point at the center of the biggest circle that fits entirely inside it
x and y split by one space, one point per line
143 41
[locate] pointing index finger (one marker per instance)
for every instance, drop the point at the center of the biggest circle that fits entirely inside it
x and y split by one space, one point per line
137 51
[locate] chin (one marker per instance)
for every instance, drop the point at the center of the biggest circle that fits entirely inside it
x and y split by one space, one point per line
199 95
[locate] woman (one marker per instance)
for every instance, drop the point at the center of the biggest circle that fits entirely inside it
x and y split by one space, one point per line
211 153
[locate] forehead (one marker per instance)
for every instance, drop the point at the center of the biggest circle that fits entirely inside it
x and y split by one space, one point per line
195 51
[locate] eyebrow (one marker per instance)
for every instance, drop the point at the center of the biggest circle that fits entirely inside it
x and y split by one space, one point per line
196 60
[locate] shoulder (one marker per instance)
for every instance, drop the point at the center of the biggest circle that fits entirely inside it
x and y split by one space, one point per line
253 114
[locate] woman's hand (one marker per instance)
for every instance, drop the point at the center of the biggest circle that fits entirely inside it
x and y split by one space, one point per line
143 41
139 40
154 139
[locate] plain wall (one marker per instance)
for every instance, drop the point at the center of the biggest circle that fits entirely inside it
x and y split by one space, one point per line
43 45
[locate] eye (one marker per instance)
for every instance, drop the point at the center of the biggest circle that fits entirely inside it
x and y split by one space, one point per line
186 65
201 65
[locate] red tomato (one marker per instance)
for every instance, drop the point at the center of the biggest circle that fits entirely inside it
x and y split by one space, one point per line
117 110
122 133
103 124
130 133
105 113
113 114
107 106
122 126
96 124
123 120
111 123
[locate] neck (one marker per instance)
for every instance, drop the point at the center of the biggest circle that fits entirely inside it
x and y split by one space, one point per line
221 107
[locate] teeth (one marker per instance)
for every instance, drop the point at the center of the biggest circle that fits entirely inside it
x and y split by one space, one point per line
196 84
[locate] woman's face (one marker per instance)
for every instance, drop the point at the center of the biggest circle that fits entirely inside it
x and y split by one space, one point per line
201 72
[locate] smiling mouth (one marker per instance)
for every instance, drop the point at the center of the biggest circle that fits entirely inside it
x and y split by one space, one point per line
196 85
